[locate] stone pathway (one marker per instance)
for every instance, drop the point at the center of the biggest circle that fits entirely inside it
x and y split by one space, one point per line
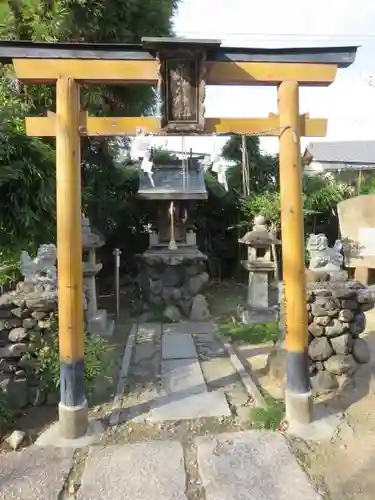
34 473
179 372
180 432
184 393
247 465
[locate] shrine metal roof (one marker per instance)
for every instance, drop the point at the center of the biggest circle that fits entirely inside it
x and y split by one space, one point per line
341 152
15 49
170 183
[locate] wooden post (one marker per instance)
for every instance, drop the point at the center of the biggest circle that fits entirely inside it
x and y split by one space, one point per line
297 394
73 410
359 182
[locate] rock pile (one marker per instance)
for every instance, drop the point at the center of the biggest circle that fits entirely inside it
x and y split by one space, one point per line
25 315
336 320
175 282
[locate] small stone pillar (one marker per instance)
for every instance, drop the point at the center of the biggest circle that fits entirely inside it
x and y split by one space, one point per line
260 266
97 319
191 238
153 239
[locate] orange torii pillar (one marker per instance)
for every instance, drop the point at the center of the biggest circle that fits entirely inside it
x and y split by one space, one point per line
298 398
73 408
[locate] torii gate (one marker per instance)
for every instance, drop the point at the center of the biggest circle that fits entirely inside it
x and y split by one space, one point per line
181 67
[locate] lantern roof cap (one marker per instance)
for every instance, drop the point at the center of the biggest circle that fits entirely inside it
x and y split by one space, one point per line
260 235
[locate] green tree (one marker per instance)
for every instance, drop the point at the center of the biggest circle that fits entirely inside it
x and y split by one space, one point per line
320 199
263 168
91 21
27 179
27 185
216 221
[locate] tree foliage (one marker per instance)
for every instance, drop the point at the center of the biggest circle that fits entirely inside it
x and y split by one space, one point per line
27 174
27 166
216 219
263 168
320 197
368 184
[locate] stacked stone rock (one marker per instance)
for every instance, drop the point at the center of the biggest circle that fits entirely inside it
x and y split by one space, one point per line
336 320
175 283
25 315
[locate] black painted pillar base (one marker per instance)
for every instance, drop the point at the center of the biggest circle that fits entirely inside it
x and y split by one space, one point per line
73 407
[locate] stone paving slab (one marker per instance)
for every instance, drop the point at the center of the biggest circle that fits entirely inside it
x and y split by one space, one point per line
34 473
190 327
219 372
204 405
152 470
146 332
182 376
179 346
251 465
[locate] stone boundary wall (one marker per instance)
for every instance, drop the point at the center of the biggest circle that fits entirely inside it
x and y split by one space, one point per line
336 320
25 316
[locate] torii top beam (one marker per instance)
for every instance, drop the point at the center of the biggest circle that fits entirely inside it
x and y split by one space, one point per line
109 63
212 64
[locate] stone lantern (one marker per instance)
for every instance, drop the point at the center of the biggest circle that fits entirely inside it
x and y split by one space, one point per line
97 319
259 242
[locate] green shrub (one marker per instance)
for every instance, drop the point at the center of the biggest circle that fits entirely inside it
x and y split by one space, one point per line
9 266
96 362
269 417
45 360
256 333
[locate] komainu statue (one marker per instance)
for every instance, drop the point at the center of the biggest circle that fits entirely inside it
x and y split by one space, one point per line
323 257
40 271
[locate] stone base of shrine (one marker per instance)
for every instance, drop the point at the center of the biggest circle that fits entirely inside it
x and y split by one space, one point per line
173 280
249 315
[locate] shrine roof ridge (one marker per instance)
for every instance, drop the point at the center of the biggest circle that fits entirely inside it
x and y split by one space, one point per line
215 52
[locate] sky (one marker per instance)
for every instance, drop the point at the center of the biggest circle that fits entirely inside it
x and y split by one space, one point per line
348 104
